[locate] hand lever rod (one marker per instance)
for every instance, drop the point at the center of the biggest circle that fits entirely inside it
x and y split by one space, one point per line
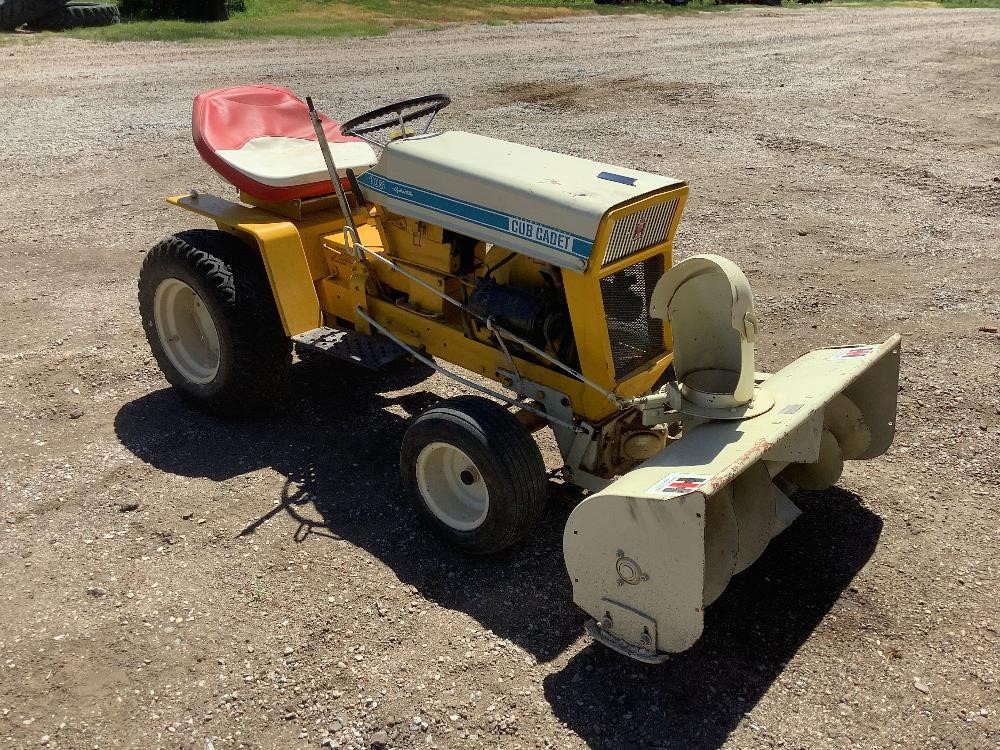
350 229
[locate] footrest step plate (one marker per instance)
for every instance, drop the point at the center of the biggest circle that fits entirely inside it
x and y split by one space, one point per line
373 352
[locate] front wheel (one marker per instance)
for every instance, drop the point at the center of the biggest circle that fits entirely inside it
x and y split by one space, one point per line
211 321
474 474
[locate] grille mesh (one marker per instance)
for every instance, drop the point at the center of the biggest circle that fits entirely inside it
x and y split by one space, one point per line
640 231
635 337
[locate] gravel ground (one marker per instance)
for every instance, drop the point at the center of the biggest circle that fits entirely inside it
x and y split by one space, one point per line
170 581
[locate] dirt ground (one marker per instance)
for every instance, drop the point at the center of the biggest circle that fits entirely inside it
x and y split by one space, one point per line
171 581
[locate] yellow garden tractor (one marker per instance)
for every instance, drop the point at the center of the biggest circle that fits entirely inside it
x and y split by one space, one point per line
544 284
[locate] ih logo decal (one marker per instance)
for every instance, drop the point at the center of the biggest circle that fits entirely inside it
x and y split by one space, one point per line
640 228
679 484
854 353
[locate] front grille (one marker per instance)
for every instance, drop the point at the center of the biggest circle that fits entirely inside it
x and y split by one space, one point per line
635 337
640 231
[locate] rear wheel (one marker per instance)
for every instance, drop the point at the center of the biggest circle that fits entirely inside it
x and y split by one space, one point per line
474 474
211 322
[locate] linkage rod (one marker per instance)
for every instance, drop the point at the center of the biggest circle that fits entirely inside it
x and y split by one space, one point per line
345 208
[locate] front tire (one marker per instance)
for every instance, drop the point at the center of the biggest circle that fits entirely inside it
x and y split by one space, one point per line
474 474
211 322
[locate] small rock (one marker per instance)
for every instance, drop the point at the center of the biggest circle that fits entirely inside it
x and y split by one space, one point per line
380 740
336 725
76 414
988 329
288 650
187 516
921 685
127 507
96 591
44 740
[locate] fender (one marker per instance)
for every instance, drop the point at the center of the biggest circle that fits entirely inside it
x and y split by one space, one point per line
281 248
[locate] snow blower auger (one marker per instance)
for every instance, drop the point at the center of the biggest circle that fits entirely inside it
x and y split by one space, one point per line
551 275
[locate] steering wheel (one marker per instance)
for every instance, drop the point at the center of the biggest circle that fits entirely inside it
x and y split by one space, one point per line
396 115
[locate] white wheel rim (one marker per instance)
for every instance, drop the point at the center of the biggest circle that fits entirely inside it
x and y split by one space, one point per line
187 331
452 486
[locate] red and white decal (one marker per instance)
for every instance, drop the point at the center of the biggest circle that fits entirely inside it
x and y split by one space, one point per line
640 228
854 352
679 484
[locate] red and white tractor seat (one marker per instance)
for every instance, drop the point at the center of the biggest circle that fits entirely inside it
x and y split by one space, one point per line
260 138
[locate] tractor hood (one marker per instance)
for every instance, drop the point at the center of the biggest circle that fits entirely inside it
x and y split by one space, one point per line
539 203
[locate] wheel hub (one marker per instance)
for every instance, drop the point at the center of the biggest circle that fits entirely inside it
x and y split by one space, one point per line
452 486
186 330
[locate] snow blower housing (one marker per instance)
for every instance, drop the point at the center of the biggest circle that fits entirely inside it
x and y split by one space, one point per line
548 274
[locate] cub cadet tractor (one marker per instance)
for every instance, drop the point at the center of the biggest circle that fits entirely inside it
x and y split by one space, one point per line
548 274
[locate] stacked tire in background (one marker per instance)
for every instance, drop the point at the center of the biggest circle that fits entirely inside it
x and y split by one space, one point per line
14 13
55 15
78 15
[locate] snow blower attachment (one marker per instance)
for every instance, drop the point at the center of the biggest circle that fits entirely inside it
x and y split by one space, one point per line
648 553
548 274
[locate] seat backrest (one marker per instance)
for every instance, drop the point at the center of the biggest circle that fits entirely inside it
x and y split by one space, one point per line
228 118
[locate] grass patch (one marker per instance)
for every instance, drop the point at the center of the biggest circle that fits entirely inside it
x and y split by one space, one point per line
235 28
339 18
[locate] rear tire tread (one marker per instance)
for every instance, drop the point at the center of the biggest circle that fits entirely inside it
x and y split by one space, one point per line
232 274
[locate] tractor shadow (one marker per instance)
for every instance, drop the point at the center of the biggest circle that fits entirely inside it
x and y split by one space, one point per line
338 448
337 445
694 700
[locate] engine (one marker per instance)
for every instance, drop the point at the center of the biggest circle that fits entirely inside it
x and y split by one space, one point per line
538 314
